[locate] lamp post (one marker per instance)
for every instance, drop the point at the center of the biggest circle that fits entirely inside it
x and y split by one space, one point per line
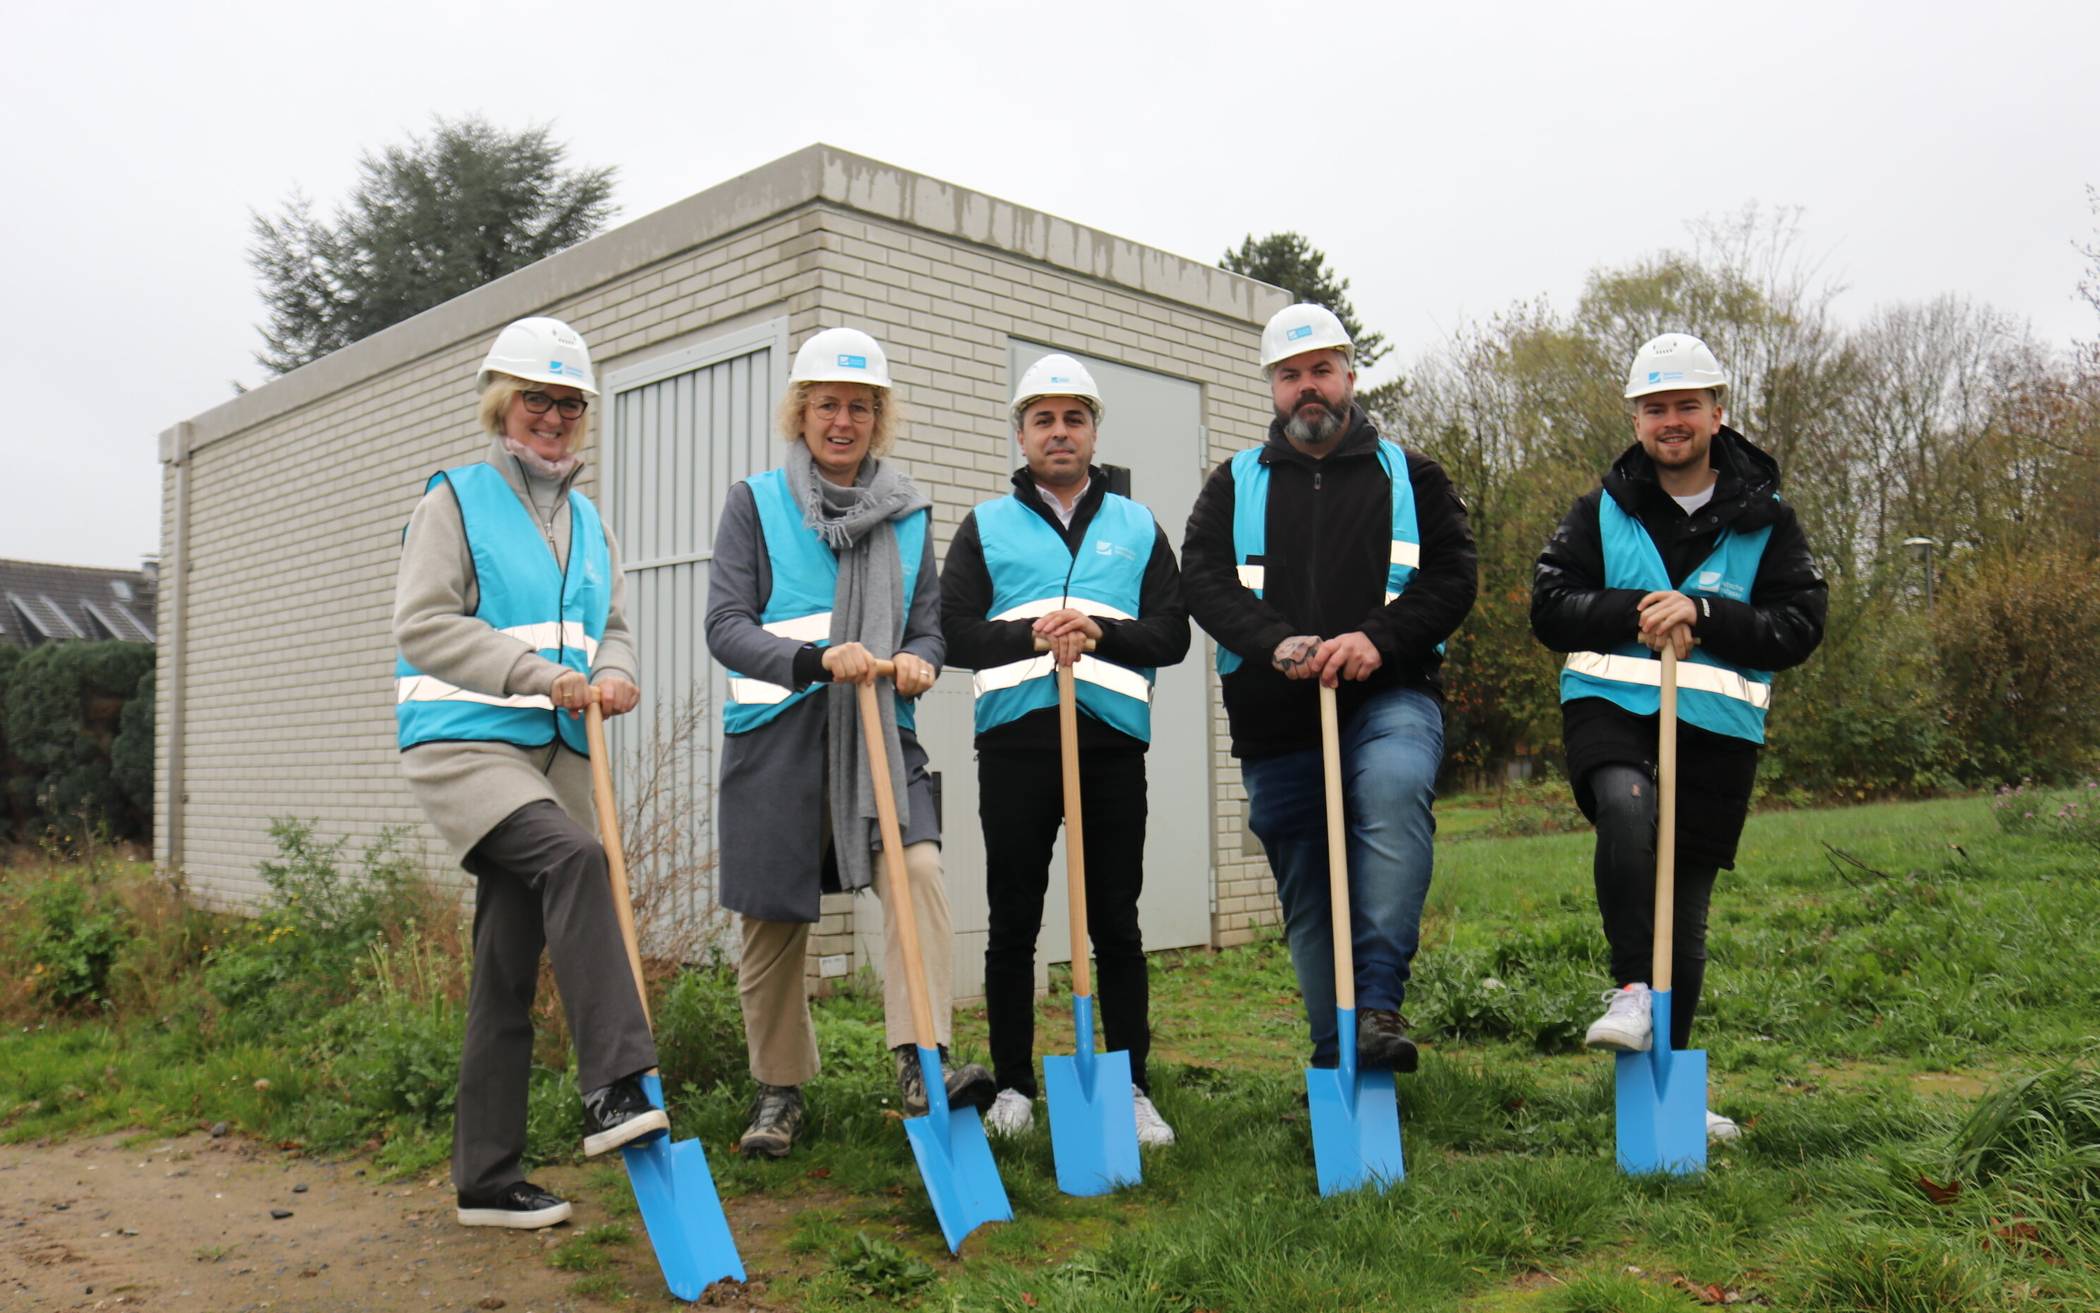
1923 547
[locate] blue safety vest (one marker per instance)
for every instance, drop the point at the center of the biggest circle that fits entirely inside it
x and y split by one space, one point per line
1711 694
559 613
805 580
1250 528
1033 573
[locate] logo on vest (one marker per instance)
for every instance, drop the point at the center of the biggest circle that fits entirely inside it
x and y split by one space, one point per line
1710 581
1103 547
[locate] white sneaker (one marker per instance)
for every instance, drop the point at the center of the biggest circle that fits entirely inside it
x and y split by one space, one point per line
1625 1024
1721 1129
1153 1131
1010 1114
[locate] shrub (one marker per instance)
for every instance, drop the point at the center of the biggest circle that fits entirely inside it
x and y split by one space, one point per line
301 955
2019 645
79 930
62 707
700 1030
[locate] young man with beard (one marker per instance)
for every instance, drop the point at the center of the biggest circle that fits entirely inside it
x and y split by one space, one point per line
1687 544
1063 560
1329 554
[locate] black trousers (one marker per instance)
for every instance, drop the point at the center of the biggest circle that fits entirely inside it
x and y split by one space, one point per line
1625 876
540 883
1020 800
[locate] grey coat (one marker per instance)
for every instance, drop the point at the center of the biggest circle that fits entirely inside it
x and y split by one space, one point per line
773 862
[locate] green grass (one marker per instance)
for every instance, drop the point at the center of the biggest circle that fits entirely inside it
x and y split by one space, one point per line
1915 1008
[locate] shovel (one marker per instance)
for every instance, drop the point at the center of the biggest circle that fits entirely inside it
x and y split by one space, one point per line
1355 1114
1662 1095
672 1184
955 1160
1093 1119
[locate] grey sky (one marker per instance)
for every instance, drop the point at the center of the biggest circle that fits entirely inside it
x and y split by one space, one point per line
1447 163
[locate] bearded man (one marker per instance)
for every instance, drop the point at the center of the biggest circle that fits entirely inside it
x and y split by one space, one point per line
1329 554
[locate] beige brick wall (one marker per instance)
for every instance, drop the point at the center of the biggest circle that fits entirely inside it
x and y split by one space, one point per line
295 518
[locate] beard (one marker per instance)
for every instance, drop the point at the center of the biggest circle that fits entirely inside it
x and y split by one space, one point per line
1313 421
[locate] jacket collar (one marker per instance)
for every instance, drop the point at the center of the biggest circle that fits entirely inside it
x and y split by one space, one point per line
1746 479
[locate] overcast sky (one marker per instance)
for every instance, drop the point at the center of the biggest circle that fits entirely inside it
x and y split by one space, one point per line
1449 159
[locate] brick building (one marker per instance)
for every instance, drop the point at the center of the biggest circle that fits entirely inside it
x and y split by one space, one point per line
283 508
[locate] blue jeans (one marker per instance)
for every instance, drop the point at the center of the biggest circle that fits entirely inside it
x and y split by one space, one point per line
1391 749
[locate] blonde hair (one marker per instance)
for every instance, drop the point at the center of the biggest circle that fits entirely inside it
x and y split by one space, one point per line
504 389
888 415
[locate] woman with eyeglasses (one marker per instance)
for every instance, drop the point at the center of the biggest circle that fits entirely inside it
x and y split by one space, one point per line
508 613
821 567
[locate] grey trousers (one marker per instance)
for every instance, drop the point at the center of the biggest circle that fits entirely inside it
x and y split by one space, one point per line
540 882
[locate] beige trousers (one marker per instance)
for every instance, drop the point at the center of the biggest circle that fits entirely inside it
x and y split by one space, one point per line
777 1028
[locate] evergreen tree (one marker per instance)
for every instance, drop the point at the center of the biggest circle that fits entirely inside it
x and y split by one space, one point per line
426 222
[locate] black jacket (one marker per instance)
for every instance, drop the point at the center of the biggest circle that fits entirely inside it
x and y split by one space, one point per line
1330 530
1159 636
1777 628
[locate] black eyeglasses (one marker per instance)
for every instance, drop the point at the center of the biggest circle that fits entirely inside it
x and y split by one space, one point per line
539 403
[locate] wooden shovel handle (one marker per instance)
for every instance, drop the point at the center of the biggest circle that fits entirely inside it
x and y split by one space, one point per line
893 867
1666 826
1075 829
609 836
1337 854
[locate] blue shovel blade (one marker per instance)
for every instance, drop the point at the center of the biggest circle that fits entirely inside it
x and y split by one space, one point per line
1661 1104
1355 1129
680 1209
1093 1119
955 1162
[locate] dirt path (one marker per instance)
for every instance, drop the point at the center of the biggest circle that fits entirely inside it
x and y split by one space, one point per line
186 1224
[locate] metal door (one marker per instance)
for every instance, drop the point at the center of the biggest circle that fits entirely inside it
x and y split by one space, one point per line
680 430
1153 425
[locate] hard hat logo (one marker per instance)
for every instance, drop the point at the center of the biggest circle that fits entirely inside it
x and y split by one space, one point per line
853 362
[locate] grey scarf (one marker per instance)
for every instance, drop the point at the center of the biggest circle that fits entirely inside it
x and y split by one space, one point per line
859 523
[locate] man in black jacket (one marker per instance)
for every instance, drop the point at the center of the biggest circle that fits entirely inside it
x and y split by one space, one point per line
1685 543
1065 561
1330 554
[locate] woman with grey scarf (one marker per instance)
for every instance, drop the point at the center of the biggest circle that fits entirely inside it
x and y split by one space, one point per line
821 568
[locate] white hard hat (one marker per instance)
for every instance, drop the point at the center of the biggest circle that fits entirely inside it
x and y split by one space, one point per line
1056 375
1671 362
842 355
1297 329
540 350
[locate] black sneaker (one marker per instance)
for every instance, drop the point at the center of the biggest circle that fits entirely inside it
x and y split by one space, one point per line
1382 1043
776 1115
619 1114
521 1205
969 1086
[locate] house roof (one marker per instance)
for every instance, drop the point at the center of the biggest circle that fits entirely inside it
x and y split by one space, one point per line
45 603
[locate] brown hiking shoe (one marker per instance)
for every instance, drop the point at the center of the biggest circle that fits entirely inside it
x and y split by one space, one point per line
776 1115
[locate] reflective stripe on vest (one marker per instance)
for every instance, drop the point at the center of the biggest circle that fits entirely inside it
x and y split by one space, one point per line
1034 573
805 581
1250 528
519 584
1712 694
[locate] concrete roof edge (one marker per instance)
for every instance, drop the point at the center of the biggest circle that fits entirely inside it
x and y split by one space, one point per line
815 173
